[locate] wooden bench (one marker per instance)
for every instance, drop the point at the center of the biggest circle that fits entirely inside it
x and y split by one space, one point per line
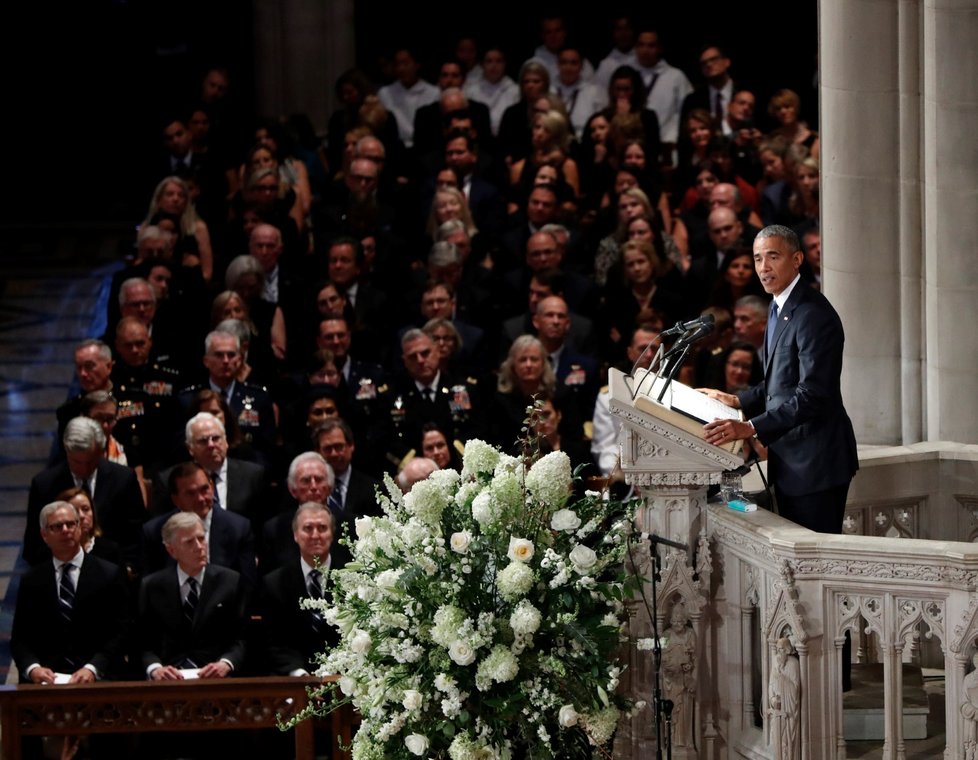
142 706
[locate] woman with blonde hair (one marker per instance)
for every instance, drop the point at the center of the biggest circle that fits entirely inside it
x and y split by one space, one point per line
551 138
524 373
785 106
632 203
171 209
449 203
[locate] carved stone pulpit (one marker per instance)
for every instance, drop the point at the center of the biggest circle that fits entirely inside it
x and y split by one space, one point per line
664 456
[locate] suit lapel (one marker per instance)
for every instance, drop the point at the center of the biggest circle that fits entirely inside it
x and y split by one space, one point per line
230 503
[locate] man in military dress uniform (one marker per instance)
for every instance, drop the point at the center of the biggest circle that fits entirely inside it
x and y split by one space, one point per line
363 389
425 394
250 404
148 413
93 367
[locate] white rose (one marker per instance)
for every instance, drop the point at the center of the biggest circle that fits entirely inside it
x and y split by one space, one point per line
412 699
565 519
567 716
364 526
520 550
460 542
360 643
347 685
461 653
583 558
417 744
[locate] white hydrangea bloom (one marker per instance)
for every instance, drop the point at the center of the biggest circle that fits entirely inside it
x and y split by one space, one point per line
479 458
549 479
514 580
525 618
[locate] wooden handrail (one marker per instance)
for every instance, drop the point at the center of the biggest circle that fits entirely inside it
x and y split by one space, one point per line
140 706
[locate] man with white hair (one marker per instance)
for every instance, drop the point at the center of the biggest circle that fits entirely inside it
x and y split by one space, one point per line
113 488
310 478
191 615
416 469
239 486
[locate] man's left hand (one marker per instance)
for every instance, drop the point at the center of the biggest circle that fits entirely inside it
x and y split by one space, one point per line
82 675
217 669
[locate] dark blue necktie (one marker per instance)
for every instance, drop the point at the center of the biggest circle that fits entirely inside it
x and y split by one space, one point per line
772 325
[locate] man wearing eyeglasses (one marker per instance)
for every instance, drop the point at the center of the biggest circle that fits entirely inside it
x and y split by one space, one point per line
71 619
239 486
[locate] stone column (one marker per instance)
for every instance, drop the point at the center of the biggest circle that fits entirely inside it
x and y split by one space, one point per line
301 46
861 133
950 162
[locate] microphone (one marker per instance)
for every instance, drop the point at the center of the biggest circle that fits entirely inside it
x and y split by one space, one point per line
683 327
700 332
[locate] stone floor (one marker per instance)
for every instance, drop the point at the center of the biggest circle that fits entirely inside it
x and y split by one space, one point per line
52 280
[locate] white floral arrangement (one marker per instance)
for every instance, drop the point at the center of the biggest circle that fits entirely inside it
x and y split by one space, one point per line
482 615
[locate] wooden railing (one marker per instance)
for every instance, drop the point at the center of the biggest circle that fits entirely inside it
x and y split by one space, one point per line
143 706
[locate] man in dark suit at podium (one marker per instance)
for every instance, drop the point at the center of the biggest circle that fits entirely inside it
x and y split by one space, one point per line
797 411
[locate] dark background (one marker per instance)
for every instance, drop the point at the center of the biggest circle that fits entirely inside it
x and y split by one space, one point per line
84 81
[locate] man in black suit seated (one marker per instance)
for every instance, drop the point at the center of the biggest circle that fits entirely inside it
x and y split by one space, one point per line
719 88
294 636
310 478
543 284
72 614
353 493
230 541
430 120
239 486
114 490
191 616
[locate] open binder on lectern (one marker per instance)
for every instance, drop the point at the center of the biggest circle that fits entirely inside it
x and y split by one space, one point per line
681 406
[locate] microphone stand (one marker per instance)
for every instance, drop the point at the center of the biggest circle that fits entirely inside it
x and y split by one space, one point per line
662 707
673 368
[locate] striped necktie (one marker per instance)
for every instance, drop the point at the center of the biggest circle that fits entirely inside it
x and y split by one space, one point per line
190 603
66 592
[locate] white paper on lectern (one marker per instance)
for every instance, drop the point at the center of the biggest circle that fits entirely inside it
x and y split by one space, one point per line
189 674
688 401
60 678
